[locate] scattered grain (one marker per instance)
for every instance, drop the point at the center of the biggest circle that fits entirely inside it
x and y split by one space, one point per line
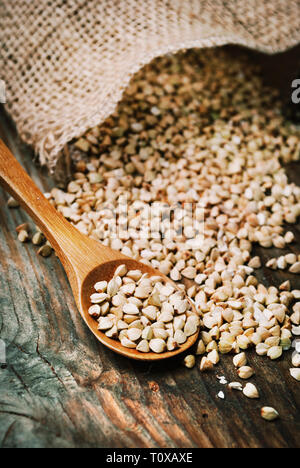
268 413
250 391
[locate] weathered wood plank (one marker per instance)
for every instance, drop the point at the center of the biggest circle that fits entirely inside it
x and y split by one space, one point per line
61 388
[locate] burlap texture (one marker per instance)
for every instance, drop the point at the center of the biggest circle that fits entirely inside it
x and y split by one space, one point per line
67 62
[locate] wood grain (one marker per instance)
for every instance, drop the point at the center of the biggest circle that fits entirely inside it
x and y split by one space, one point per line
62 388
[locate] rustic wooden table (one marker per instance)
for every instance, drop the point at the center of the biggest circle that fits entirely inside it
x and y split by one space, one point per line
61 388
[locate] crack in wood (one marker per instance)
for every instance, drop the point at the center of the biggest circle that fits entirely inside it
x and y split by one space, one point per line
49 364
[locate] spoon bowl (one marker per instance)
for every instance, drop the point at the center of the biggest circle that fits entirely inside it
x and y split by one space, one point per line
105 272
85 260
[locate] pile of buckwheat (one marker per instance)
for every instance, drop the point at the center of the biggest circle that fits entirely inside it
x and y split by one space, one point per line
200 133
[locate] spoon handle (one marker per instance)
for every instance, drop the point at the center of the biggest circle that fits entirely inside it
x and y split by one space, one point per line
70 245
17 182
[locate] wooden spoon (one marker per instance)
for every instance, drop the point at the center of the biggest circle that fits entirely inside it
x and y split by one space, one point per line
85 261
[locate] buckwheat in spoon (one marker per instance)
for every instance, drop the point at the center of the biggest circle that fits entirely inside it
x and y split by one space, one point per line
130 307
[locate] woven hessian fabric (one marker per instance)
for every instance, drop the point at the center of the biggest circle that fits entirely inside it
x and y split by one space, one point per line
66 63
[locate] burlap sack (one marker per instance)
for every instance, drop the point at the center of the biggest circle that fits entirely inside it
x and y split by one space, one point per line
67 62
